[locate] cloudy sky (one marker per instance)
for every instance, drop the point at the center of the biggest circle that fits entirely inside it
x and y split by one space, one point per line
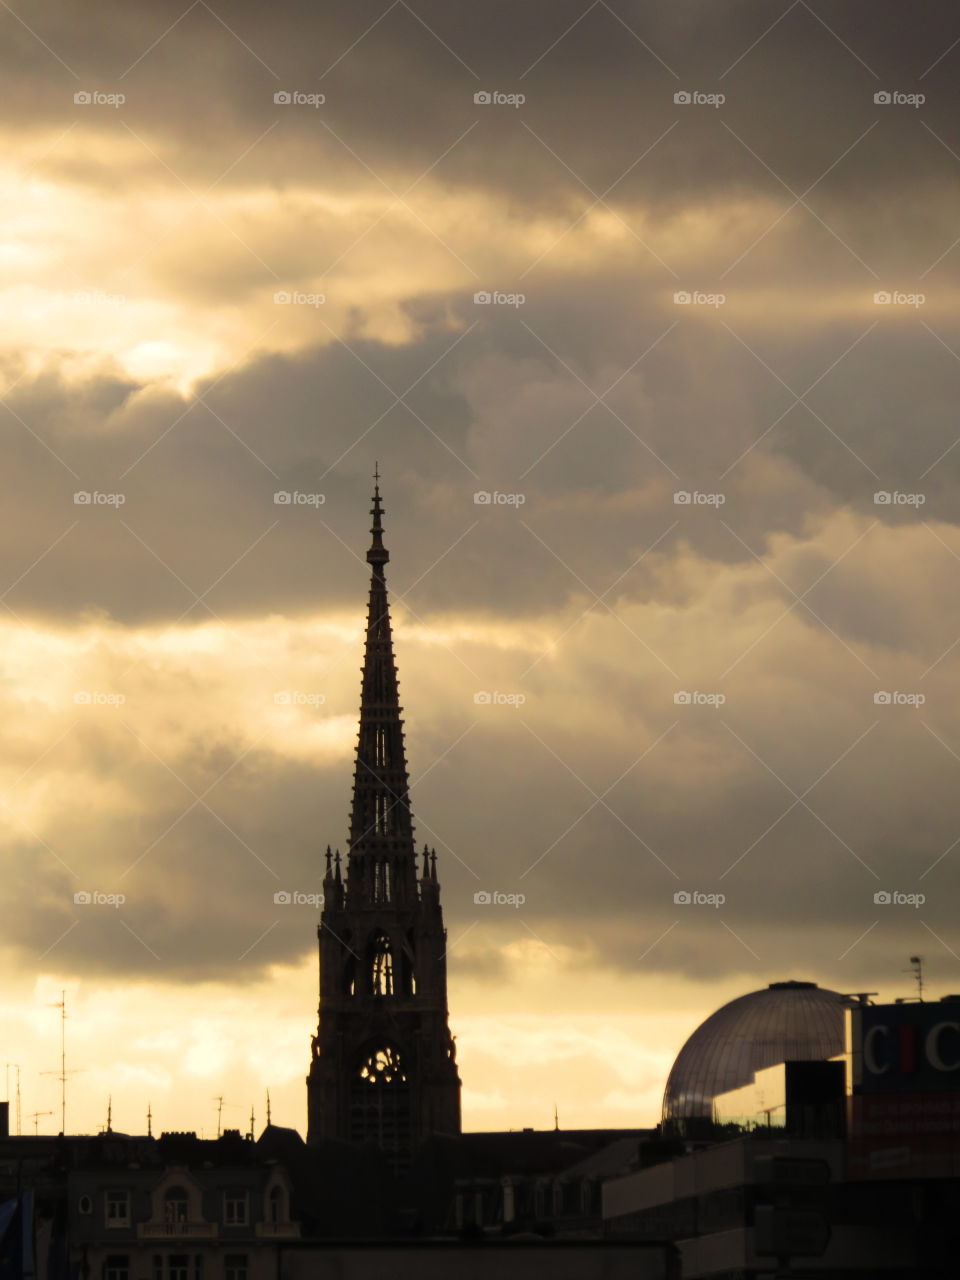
674 285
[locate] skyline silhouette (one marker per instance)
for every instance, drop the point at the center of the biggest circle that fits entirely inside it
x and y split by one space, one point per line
649 315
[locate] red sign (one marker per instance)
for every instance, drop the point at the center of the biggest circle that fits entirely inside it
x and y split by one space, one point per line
904 1135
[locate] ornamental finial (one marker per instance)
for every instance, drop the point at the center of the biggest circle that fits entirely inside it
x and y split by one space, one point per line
378 554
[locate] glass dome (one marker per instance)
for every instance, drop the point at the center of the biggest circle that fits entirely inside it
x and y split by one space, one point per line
787 1020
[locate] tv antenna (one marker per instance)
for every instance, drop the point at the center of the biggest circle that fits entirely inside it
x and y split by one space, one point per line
62 1074
16 1066
916 968
35 1117
220 1105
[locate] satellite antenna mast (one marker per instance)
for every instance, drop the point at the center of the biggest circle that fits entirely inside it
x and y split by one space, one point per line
62 1006
149 1121
35 1117
219 1101
16 1067
62 1074
916 965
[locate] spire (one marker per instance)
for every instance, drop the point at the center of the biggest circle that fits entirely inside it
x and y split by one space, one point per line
381 865
378 554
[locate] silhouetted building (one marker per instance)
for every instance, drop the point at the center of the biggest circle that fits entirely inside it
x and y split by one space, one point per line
119 1207
787 1020
383 1067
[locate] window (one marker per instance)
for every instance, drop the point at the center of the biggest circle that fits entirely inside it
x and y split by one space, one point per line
174 1206
276 1213
117 1212
235 1266
381 881
177 1267
382 966
235 1208
380 1106
117 1267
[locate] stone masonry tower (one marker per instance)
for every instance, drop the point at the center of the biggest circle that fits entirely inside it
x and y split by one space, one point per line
383 1068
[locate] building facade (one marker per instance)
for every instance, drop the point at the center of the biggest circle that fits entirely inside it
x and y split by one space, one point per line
383 1067
119 1207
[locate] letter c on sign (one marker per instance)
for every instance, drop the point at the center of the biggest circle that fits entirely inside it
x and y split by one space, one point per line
933 1047
869 1057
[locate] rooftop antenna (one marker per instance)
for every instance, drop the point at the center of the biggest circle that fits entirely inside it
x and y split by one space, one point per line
16 1065
35 1117
219 1101
62 1074
268 1108
109 1128
252 1123
556 1118
916 964
149 1121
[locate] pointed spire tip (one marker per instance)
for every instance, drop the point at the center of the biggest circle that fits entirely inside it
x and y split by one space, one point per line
377 554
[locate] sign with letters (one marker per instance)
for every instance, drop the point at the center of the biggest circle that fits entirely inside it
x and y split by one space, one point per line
911 1047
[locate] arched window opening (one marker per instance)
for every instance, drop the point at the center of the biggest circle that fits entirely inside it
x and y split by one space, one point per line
382 881
349 976
408 976
276 1212
380 1105
381 972
174 1205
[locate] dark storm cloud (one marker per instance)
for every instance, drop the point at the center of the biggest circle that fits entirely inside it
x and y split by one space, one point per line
400 80
694 798
508 409
711 408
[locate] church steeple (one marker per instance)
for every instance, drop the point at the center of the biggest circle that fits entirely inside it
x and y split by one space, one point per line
383 1068
381 862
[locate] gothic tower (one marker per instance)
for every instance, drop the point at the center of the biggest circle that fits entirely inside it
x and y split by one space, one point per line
383 1068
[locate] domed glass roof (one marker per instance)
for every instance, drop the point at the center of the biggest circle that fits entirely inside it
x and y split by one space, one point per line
788 1020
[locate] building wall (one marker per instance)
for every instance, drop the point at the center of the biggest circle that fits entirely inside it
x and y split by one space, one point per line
527 1260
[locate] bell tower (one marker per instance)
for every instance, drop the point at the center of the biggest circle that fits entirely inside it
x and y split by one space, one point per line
383 1068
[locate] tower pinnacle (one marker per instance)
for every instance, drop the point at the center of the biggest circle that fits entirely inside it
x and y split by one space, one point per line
377 554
